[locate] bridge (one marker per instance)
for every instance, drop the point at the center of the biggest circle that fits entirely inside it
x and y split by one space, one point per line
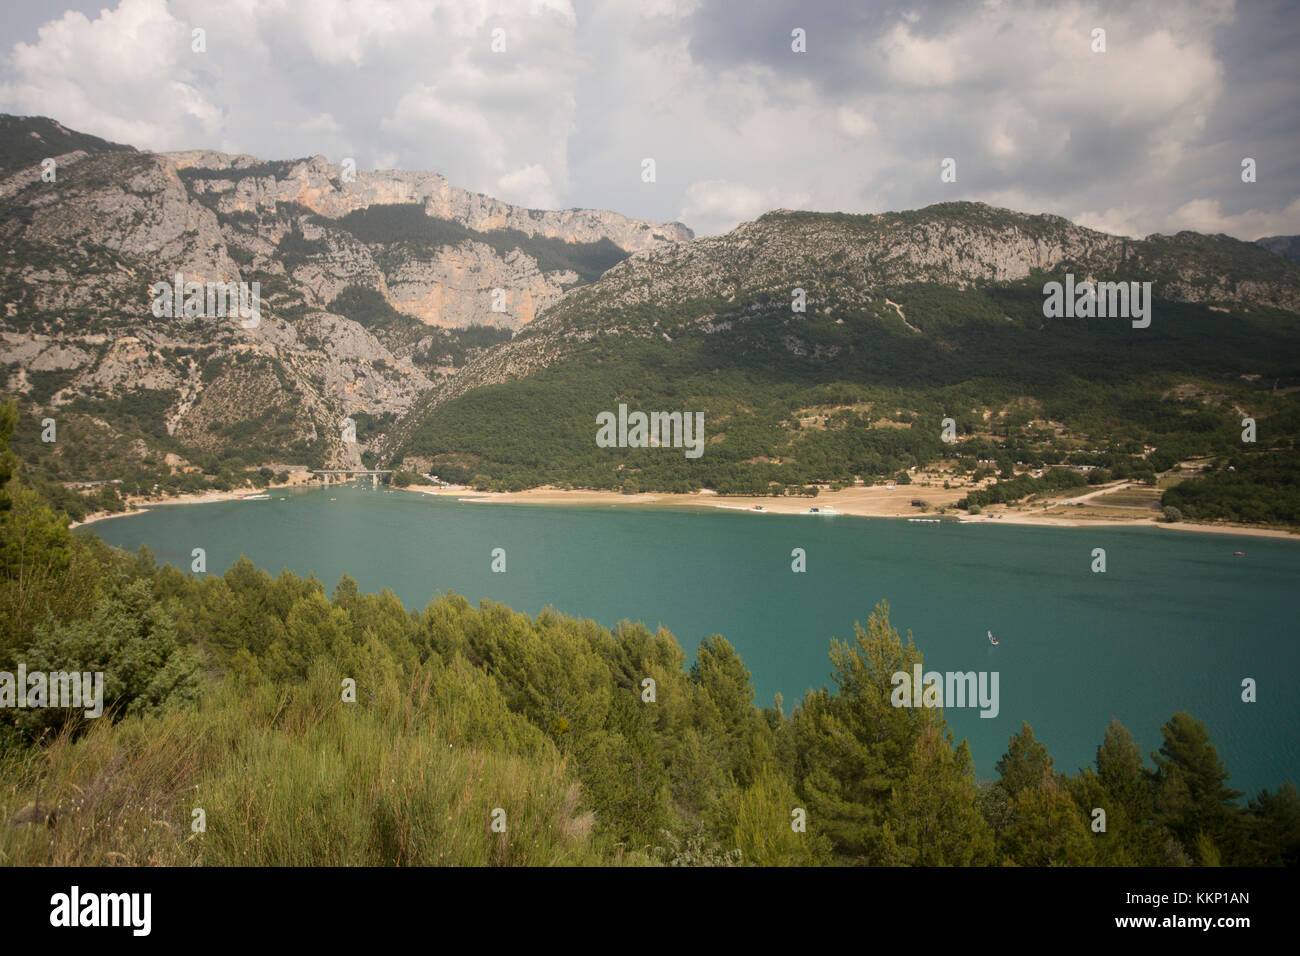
376 475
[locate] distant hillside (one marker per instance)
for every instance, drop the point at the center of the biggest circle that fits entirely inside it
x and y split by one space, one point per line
27 140
375 286
1286 246
480 339
911 318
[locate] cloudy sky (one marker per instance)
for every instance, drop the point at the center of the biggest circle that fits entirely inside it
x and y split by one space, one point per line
1148 136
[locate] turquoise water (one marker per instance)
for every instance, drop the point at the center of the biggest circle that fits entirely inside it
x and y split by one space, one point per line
1175 623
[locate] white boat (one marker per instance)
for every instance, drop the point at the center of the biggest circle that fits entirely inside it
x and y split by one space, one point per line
992 640
257 498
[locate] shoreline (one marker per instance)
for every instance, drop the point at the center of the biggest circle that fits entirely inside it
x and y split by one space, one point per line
869 502
861 502
143 504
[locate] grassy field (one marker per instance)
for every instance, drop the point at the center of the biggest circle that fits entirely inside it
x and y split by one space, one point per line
1146 499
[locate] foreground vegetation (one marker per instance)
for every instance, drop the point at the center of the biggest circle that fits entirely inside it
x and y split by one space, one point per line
226 694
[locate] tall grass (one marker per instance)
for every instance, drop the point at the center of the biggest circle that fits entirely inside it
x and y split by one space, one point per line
410 774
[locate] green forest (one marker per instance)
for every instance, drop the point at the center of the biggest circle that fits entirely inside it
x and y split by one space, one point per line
227 694
1248 488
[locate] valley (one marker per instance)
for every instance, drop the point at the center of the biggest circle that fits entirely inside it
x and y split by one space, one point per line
363 285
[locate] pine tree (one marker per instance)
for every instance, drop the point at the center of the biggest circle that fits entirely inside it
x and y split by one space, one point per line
1121 786
1048 828
932 818
759 821
856 750
1275 827
724 706
1191 792
1024 764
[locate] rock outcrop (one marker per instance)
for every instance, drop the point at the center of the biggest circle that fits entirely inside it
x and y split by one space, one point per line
83 252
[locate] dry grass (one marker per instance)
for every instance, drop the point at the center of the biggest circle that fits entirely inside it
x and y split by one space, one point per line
294 778
1145 498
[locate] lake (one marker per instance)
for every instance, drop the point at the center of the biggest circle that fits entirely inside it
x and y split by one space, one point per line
1175 623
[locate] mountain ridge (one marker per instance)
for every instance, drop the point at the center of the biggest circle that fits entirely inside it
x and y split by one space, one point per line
676 274
349 327
1286 246
910 318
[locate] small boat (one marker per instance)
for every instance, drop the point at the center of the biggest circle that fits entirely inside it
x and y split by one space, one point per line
993 640
822 511
757 508
257 497
1239 554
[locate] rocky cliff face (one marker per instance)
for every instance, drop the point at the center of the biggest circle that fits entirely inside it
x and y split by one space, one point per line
954 244
353 322
326 188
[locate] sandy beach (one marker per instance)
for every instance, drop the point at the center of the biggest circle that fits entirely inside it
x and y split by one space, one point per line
868 502
1018 517
139 505
864 502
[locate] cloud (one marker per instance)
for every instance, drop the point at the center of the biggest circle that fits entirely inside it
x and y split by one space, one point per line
120 75
529 186
922 61
1145 137
1204 215
717 205
854 124
411 82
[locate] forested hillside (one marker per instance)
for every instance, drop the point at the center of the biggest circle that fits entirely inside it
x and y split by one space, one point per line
26 140
826 349
227 694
